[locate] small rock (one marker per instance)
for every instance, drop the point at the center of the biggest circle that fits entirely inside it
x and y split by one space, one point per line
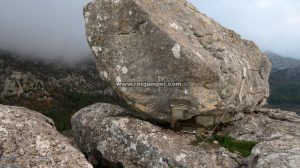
215 142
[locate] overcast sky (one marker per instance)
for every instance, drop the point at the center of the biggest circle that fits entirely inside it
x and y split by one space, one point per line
51 28
272 24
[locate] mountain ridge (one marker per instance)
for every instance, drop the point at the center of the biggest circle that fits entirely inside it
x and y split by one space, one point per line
280 62
284 82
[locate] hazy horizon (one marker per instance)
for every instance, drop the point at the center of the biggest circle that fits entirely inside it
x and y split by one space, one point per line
54 29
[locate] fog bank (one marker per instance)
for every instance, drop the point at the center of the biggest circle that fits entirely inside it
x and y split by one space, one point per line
55 28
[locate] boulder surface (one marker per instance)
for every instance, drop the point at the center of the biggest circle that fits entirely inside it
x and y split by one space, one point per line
158 44
107 133
29 139
278 134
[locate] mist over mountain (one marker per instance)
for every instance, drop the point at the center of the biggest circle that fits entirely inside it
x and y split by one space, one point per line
43 29
55 88
55 29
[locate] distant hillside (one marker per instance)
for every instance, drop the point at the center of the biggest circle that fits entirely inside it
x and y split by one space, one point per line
280 62
53 88
285 82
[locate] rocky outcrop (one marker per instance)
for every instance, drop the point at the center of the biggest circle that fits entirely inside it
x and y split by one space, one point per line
278 134
169 41
29 139
106 132
142 47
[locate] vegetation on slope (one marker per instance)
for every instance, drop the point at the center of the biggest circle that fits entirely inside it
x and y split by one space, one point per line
53 89
285 89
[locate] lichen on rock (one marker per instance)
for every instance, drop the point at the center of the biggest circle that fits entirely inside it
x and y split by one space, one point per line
29 139
170 41
110 133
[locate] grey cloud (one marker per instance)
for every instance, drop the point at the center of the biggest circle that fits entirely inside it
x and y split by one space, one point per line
47 28
55 28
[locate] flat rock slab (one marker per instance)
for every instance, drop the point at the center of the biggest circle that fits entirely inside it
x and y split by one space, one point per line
29 139
277 131
106 132
170 41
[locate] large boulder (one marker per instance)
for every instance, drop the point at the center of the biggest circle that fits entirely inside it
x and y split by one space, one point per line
212 70
29 139
108 135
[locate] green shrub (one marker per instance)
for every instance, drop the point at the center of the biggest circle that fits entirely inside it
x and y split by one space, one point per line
231 144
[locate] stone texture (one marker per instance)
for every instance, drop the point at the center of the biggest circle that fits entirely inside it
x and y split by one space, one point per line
29 139
107 132
170 41
278 133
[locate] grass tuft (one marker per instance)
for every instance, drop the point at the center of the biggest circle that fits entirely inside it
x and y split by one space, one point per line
231 144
